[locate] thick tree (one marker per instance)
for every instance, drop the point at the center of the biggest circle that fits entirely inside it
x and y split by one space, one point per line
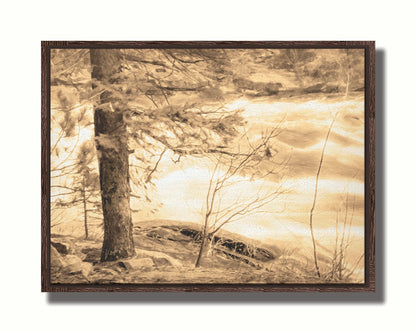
151 101
147 103
111 134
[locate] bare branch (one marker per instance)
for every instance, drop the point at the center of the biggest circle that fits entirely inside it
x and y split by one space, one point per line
226 174
315 195
149 176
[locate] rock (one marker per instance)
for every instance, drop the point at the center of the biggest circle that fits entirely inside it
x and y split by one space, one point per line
104 271
192 233
328 89
92 254
178 237
317 88
86 268
157 255
83 268
61 247
167 233
273 88
56 259
75 265
162 262
72 260
137 263
160 233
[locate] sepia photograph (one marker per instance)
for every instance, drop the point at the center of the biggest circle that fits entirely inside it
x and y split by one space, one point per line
206 164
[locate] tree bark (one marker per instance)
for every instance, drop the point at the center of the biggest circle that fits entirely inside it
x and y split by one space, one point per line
347 86
113 160
203 240
315 257
201 250
84 199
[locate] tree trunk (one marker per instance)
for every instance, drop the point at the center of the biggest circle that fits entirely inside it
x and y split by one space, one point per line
111 135
84 199
201 250
315 257
203 240
347 86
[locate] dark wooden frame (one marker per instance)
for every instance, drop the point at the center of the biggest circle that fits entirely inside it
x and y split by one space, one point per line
368 286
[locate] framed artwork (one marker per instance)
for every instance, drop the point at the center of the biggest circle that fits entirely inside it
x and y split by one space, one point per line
208 166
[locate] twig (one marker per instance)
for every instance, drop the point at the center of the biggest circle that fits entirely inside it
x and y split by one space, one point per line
314 198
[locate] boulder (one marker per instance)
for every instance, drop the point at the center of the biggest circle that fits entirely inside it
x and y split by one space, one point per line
167 233
72 260
162 262
273 88
92 255
75 265
157 255
316 88
137 263
56 259
330 88
62 247
86 268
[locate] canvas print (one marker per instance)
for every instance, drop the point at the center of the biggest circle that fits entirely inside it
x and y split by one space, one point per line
207 165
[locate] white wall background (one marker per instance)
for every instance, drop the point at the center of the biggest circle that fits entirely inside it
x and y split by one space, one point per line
25 23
